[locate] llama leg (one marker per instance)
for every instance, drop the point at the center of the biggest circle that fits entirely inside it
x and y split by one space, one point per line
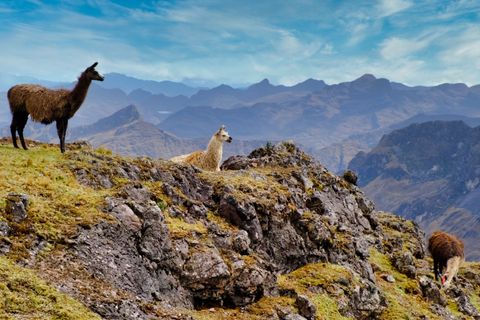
21 125
13 129
61 130
64 133
435 269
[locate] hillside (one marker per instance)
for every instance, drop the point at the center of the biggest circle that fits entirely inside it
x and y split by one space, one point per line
428 172
273 236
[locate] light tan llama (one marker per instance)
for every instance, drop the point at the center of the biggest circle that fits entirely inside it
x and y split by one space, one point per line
211 158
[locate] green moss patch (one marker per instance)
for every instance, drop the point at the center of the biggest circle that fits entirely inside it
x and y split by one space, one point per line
403 292
23 295
323 283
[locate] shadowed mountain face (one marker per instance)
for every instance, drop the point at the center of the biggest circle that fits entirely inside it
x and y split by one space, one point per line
428 172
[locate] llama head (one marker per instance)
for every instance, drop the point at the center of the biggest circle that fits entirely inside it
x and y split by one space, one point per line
443 279
223 135
93 74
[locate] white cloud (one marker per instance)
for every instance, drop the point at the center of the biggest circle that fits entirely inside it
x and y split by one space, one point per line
390 7
395 48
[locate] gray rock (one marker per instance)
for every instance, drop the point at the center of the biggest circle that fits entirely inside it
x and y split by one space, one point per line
367 302
4 229
405 263
442 312
293 316
248 283
206 275
126 216
5 246
466 307
362 248
431 291
16 206
241 242
241 214
306 308
389 278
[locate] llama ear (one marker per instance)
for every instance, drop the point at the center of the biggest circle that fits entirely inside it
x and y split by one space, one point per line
222 127
93 65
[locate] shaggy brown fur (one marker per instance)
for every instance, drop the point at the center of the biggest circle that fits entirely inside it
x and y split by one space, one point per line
211 158
447 252
46 105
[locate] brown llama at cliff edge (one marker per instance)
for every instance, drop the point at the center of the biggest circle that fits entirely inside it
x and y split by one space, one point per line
447 252
46 105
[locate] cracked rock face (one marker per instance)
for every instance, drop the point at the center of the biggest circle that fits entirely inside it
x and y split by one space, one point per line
181 238
287 228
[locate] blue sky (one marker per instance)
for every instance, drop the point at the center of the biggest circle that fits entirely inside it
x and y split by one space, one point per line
239 42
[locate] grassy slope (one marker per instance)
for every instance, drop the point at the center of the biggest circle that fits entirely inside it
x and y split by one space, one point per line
57 205
23 295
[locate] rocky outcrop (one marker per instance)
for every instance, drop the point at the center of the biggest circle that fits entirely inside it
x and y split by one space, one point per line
272 225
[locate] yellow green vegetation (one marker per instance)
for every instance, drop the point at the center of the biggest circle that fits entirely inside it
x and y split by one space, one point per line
58 203
23 294
386 219
320 275
179 228
221 222
402 293
472 268
247 183
263 309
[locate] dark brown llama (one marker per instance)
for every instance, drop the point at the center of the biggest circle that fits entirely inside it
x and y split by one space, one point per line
46 105
447 252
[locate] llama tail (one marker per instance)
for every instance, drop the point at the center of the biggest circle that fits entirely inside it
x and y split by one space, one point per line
453 264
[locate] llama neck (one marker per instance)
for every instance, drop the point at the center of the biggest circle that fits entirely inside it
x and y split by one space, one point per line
78 94
214 151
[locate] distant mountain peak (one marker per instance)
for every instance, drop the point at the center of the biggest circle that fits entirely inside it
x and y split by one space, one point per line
265 83
310 85
366 77
124 116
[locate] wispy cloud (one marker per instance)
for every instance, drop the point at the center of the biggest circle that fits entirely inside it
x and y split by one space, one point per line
237 42
395 48
389 7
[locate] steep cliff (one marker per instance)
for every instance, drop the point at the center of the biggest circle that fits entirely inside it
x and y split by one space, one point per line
273 236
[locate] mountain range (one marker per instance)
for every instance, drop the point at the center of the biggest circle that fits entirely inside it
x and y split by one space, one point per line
126 133
330 114
430 173
332 122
